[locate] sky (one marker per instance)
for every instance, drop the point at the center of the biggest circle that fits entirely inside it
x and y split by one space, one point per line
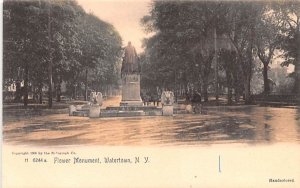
124 15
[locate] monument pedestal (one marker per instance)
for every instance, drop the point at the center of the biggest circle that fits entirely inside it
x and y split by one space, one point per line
94 111
72 109
167 110
131 90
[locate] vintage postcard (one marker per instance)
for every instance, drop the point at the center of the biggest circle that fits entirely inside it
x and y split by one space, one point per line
146 93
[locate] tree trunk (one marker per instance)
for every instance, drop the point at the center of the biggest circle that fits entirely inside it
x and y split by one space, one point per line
297 78
229 95
237 95
57 85
216 66
40 93
200 88
50 61
297 66
58 92
25 88
175 84
229 86
86 85
237 89
75 91
18 91
205 87
50 94
296 88
35 94
247 84
266 81
247 90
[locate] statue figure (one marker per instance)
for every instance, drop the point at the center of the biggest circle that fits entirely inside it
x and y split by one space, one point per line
96 98
130 62
167 98
130 74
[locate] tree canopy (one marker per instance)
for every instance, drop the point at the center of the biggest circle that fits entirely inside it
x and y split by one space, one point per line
196 42
48 42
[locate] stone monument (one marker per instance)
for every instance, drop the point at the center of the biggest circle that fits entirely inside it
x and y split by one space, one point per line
91 109
96 100
167 101
131 78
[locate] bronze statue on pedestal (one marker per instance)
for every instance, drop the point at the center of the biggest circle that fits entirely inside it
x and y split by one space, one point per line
130 64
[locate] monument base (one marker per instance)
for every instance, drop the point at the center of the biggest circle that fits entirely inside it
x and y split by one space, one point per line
130 111
167 110
131 90
72 109
94 111
131 103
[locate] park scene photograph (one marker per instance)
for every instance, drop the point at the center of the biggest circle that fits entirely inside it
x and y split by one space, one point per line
150 93
153 73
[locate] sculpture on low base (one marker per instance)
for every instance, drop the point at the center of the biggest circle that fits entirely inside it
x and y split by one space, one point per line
167 101
91 109
96 100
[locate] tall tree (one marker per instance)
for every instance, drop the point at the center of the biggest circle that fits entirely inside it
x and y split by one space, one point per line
267 39
184 39
52 41
36 34
239 28
289 13
101 48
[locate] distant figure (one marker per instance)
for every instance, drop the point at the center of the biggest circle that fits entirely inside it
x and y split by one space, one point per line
154 97
145 98
130 62
196 102
196 98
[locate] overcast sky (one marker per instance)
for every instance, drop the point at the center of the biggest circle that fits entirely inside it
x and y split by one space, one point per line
124 15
